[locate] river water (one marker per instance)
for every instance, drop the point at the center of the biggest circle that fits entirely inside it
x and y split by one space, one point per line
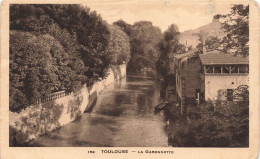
123 116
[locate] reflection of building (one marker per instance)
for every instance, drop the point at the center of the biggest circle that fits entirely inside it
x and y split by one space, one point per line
187 78
209 76
222 73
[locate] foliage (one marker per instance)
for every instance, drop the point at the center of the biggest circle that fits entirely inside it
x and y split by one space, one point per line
168 46
211 43
81 32
59 47
143 40
236 26
31 73
91 33
39 66
214 124
68 41
127 28
17 99
119 46
28 18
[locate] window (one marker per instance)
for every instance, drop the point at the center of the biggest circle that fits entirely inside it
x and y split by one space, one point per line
217 69
177 80
225 69
243 69
193 59
234 69
209 69
196 93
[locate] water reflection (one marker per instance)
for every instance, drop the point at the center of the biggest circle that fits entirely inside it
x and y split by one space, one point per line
122 116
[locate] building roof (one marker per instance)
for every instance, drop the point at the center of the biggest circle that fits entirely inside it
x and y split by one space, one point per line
188 54
214 57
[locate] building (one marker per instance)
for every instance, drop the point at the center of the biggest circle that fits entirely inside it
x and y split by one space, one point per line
221 74
208 76
188 81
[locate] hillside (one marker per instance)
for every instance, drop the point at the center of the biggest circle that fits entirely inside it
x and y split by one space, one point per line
190 37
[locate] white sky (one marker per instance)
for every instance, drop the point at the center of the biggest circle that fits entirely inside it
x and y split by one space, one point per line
162 13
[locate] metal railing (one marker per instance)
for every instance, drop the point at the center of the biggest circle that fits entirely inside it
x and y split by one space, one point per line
51 97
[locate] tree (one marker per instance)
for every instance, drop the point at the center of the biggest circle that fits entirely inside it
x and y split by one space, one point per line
29 18
203 36
210 43
39 65
144 40
127 28
168 46
119 46
31 69
59 47
79 30
237 30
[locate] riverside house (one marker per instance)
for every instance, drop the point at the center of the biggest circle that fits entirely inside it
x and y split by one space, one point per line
222 73
208 76
188 81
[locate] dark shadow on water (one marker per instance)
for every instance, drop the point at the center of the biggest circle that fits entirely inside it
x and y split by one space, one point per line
101 120
89 110
116 111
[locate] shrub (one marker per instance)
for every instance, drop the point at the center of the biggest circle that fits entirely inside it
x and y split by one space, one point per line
18 100
213 124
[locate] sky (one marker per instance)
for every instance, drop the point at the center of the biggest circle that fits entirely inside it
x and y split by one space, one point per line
162 13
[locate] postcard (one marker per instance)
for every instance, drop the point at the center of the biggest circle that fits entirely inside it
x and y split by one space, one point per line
129 79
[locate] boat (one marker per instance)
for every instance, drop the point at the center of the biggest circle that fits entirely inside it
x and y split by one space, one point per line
161 106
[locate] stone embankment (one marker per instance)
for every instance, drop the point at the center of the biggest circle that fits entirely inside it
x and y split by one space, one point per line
39 119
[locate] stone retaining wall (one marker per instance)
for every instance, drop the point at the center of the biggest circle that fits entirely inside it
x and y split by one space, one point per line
39 119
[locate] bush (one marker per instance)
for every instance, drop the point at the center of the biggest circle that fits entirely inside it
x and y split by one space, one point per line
18 100
213 124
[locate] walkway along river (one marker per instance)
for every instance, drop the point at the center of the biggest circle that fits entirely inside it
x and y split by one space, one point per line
123 116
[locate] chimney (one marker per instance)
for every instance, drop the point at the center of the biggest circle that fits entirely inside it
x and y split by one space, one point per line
203 46
186 49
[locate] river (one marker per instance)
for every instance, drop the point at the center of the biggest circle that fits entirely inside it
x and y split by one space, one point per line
122 116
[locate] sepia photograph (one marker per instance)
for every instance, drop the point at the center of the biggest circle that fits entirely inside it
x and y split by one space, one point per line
78 80
151 74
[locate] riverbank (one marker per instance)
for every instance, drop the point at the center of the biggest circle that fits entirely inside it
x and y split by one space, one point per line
209 125
40 119
122 116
